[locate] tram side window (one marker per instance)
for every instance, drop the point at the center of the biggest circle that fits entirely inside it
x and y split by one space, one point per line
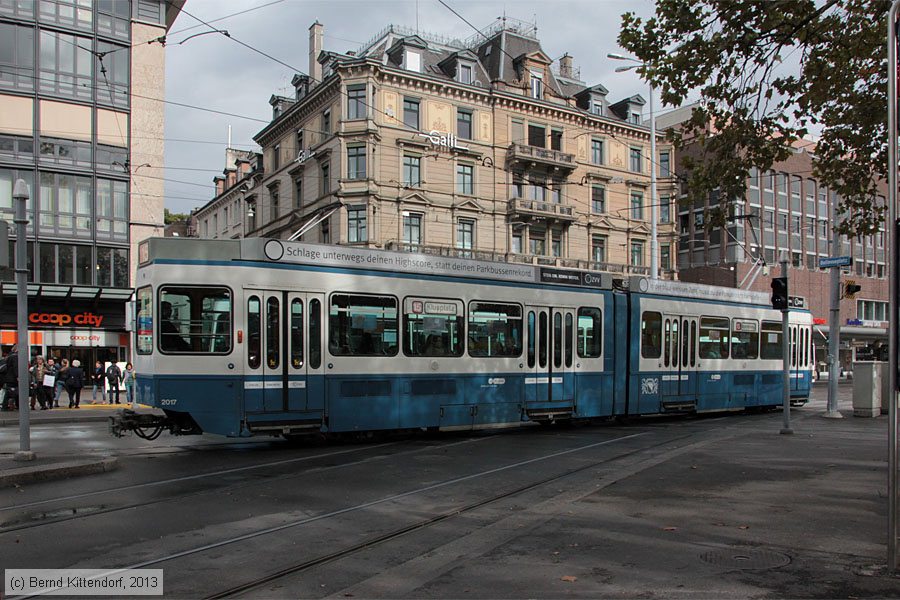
195 320
144 329
744 339
651 335
362 325
590 330
315 334
495 329
432 327
714 334
254 329
770 341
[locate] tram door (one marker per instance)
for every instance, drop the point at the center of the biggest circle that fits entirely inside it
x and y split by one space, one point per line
550 343
283 351
679 379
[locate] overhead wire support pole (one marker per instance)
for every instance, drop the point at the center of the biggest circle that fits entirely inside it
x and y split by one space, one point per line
893 317
834 321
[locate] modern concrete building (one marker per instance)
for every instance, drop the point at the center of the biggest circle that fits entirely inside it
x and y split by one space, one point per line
481 147
786 209
81 122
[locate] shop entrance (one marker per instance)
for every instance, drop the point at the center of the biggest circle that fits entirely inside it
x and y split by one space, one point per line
87 356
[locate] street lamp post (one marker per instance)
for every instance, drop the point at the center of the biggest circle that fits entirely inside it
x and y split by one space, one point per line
654 206
20 198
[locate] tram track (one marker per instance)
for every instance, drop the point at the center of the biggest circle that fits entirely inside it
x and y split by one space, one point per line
408 529
102 510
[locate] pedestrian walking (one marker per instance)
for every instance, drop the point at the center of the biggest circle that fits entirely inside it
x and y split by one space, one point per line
128 381
114 377
11 380
74 383
49 382
38 371
60 381
97 381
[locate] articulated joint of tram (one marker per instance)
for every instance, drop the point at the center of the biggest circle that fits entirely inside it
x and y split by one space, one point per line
150 426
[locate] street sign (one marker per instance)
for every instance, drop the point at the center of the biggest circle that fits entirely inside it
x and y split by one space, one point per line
835 261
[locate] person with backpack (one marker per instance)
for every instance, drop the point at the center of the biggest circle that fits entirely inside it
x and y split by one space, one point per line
114 377
74 383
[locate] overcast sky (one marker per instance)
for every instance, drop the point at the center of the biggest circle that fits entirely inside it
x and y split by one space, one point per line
214 72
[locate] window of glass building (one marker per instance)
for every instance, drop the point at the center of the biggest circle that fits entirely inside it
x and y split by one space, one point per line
112 209
65 152
16 55
16 147
72 13
113 18
112 74
66 65
65 205
112 267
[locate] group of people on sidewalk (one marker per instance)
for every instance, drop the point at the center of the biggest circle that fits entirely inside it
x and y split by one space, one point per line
47 380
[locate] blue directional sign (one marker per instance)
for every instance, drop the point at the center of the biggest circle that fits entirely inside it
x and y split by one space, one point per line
835 261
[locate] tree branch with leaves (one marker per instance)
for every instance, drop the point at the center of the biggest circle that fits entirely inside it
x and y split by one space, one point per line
767 74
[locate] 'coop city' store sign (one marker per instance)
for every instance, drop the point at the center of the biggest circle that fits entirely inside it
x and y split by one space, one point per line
53 319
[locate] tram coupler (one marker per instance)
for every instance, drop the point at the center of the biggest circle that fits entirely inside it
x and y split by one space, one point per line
150 426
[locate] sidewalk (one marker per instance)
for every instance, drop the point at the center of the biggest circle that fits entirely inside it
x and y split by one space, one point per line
86 412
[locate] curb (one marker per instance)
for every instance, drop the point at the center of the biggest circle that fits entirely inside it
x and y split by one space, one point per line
82 418
60 470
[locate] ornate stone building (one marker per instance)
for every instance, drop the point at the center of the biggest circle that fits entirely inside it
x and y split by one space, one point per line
482 147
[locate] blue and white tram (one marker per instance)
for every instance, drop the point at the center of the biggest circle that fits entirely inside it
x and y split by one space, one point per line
262 336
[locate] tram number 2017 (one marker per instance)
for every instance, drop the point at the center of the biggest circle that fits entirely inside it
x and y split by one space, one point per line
168 402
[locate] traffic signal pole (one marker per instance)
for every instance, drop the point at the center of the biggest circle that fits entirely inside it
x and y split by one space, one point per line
785 357
834 321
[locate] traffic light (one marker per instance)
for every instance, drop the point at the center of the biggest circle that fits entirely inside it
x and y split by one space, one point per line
851 288
780 293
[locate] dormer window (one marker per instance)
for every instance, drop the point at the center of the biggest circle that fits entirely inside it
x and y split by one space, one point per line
635 117
537 85
413 61
597 108
465 74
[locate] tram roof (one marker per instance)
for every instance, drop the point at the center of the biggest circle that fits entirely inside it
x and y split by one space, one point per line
351 257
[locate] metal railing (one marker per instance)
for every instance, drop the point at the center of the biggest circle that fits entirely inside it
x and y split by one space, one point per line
555 157
541 207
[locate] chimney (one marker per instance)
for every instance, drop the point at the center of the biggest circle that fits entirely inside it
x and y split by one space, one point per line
565 66
316 33
220 184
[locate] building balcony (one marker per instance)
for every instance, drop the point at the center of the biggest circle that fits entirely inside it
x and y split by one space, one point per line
532 155
520 208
